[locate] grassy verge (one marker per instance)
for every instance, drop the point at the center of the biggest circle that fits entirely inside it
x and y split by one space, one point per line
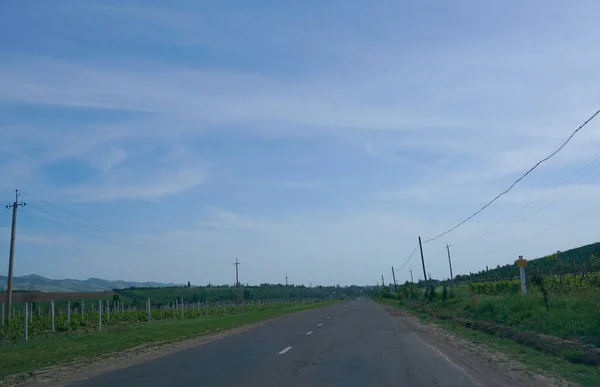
533 360
572 316
59 349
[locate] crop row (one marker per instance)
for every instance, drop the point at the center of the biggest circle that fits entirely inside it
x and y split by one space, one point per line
41 325
570 283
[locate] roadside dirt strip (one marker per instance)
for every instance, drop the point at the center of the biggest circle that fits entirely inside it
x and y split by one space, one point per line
487 362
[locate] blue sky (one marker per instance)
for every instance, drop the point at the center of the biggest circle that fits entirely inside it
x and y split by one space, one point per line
161 140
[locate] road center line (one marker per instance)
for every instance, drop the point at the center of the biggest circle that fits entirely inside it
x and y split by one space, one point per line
319 325
309 333
284 350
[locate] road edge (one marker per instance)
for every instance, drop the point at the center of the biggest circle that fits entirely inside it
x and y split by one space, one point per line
80 369
529 360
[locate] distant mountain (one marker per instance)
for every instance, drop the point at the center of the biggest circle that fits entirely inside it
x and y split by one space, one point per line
37 282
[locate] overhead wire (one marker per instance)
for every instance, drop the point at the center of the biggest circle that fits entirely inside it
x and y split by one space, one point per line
502 247
548 195
114 233
552 154
100 234
88 227
408 260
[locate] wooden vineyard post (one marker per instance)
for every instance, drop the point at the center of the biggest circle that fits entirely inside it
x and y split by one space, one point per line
26 322
100 315
68 312
52 314
148 311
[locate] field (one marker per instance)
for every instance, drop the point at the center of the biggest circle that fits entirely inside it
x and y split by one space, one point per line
570 283
125 306
115 314
54 349
571 317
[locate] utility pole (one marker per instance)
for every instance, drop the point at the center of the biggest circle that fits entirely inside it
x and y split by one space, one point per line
449 262
237 281
411 277
423 262
11 258
394 276
382 282
286 283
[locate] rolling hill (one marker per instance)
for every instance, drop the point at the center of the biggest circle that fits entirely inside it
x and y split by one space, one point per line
39 283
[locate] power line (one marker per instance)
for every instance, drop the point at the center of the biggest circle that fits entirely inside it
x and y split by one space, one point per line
544 230
542 199
558 149
86 232
409 258
99 234
103 237
110 234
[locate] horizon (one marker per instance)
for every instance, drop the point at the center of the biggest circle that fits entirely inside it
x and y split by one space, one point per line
277 283
315 141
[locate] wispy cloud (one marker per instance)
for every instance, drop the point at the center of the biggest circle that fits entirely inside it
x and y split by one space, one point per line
315 135
302 185
226 220
156 187
31 237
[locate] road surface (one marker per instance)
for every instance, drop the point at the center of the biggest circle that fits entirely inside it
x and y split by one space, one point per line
355 343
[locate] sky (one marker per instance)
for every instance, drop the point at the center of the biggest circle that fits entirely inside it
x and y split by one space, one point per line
160 141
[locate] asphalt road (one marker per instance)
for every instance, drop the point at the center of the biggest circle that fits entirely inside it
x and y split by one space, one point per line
356 343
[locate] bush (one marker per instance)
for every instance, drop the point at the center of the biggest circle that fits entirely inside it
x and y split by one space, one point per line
444 293
432 293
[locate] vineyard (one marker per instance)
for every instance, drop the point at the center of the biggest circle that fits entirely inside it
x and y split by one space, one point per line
571 283
66 321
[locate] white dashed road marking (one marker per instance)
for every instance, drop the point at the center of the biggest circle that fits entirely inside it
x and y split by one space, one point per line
309 333
319 325
284 350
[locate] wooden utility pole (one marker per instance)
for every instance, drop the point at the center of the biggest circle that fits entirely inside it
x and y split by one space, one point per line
411 277
11 258
394 276
450 262
423 262
237 281
382 282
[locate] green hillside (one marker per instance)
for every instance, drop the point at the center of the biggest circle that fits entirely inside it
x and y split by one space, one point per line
578 260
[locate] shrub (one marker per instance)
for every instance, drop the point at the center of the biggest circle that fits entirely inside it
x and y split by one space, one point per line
444 293
432 293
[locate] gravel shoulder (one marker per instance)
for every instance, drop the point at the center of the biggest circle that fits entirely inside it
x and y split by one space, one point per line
485 365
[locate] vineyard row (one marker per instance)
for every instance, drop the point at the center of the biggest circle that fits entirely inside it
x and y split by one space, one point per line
570 283
27 324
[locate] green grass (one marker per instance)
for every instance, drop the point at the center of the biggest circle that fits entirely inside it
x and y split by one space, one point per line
572 316
58 349
535 361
